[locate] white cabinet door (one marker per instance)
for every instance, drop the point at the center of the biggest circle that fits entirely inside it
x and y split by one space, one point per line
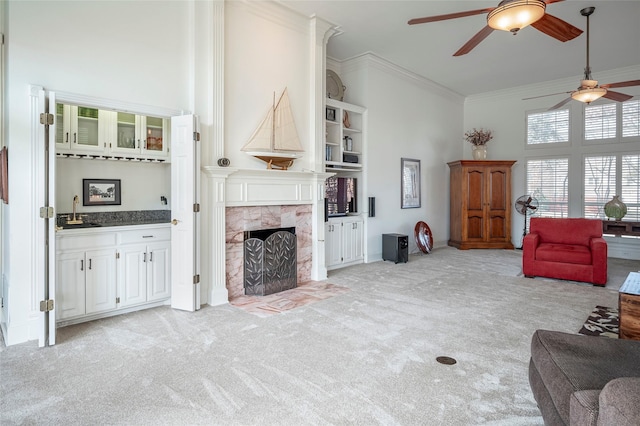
63 127
357 233
154 135
132 275
101 280
348 242
333 244
158 272
70 290
85 137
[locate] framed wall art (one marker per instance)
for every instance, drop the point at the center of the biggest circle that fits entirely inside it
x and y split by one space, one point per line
101 192
410 189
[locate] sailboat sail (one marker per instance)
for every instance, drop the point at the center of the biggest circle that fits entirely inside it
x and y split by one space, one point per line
276 139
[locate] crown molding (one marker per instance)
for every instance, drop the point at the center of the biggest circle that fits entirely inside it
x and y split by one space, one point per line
372 60
275 12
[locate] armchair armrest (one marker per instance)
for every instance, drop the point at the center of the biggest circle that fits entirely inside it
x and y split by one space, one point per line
620 402
598 247
530 243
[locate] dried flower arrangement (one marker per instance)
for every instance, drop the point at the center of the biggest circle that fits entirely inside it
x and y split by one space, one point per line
478 137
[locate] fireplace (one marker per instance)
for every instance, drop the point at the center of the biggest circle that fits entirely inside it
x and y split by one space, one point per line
270 261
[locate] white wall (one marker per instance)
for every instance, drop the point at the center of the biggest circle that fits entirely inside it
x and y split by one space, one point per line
142 184
267 48
505 112
408 117
136 52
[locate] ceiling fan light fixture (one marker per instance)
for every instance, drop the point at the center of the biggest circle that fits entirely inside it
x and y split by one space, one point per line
588 95
513 15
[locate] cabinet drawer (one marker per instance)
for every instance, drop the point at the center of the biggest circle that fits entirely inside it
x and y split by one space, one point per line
92 241
144 235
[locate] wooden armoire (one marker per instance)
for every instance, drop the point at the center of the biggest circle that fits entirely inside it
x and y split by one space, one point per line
480 204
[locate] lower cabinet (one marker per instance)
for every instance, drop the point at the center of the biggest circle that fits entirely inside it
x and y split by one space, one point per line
144 273
103 270
344 241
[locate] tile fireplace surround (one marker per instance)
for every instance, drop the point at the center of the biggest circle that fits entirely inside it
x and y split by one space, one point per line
240 219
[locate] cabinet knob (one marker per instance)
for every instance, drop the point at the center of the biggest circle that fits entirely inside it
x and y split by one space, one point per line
175 221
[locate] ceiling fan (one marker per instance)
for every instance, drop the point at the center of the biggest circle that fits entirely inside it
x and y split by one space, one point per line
511 15
589 90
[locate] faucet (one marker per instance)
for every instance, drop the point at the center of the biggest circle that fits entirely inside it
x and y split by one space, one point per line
74 220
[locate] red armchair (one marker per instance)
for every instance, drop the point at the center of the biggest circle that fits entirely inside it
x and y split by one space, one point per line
565 248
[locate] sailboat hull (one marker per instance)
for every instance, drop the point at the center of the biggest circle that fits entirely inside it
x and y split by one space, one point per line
275 161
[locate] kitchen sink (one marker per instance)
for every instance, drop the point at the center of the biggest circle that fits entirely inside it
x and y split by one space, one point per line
80 225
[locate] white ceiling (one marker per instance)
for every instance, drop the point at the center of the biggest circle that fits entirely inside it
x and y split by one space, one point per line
501 61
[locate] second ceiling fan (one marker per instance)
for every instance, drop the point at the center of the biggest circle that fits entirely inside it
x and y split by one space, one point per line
589 90
511 15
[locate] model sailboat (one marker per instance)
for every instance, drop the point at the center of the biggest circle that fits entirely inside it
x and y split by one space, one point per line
276 140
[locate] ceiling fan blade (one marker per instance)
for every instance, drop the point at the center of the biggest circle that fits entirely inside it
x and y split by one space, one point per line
617 96
559 104
544 96
474 41
622 84
556 28
449 16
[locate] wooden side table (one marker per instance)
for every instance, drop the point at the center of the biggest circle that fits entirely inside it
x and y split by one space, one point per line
629 307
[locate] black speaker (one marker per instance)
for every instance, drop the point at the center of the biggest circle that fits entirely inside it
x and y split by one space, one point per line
395 247
372 206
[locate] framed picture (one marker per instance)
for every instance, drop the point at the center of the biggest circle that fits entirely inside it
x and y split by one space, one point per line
331 114
101 192
410 190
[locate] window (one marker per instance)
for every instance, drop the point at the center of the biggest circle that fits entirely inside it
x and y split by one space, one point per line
630 186
630 119
600 122
609 175
548 127
599 184
547 182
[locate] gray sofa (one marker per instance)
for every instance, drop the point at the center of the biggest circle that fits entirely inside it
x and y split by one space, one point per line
585 380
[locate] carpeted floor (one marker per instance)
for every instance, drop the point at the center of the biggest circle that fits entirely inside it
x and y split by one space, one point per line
363 357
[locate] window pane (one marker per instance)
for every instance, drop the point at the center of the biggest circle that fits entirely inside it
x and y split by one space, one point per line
630 193
548 127
599 184
600 122
630 119
547 182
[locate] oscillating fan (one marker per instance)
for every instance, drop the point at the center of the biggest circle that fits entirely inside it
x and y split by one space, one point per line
527 206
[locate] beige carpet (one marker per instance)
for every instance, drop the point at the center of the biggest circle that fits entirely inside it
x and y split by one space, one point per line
363 357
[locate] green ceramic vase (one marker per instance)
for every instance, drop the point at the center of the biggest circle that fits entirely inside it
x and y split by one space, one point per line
615 208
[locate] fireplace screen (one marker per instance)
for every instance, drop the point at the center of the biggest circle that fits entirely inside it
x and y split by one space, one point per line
270 261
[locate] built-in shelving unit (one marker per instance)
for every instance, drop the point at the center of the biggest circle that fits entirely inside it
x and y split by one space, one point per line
345 136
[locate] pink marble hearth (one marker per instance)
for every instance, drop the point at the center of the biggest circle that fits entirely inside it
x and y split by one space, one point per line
240 219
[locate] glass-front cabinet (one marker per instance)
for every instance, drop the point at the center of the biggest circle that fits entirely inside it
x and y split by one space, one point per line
95 132
78 129
141 135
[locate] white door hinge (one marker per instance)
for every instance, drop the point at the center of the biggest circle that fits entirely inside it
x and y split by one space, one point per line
196 136
46 212
46 119
196 279
46 305
196 208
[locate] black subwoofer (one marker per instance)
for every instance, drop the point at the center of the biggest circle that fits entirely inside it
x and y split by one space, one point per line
395 247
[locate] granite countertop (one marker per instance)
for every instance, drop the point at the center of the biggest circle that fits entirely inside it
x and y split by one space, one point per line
112 219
